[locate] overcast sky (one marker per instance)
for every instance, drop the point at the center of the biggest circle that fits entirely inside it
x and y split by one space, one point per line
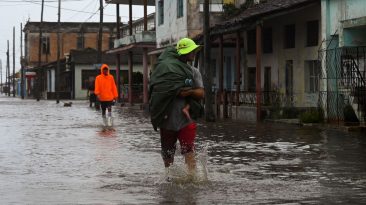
15 12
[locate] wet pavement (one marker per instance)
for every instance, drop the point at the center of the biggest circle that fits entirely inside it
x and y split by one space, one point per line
50 154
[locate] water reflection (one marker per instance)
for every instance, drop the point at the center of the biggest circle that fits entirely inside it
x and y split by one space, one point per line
50 154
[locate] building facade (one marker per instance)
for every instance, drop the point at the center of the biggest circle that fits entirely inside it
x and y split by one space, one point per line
73 35
343 56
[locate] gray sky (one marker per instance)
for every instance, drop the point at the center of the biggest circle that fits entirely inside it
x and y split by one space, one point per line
15 12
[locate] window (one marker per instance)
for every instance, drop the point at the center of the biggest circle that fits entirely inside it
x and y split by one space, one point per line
252 77
251 41
228 71
111 42
312 33
289 77
161 12
179 8
312 71
216 5
267 40
45 45
80 41
289 36
213 67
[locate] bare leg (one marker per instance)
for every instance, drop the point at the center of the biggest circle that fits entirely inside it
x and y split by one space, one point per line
191 162
185 111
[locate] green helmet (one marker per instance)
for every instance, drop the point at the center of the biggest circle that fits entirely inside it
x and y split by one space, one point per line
185 46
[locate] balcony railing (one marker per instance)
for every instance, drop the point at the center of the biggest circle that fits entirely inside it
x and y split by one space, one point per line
142 37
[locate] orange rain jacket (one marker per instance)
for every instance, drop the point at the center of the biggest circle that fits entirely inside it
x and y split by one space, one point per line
105 87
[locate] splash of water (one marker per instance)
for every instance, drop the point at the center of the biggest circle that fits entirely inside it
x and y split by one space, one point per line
179 174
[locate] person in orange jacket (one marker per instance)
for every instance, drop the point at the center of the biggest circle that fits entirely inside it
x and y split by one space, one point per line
105 89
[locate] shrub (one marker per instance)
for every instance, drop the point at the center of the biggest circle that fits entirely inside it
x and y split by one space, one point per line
312 116
290 113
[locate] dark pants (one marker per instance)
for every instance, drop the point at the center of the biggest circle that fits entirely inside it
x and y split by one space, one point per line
92 99
105 105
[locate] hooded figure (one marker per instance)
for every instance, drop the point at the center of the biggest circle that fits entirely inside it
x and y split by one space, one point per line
167 79
105 87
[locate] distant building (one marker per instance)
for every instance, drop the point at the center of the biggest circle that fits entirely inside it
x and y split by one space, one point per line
73 35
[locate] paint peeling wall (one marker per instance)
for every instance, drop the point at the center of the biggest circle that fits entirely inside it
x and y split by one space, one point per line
173 28
189 25
339 15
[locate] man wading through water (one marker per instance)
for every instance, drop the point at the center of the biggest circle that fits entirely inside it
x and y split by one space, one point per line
169 97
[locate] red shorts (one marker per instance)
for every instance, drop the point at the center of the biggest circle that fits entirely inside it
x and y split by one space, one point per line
186 137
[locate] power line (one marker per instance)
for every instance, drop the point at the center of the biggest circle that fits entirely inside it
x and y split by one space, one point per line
65 8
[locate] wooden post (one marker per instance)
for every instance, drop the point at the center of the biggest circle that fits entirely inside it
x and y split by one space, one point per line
258 70
8 70
100 33
130 70
207 80
39 88
13 78
237 68
221 73
57 75
21 63
130 58
144 62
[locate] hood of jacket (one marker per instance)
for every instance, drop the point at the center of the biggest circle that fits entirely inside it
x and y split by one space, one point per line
102 67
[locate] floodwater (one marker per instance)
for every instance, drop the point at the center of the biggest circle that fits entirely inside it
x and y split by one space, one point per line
50 154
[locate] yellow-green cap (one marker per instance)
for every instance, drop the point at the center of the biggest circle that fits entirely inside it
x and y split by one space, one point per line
185 46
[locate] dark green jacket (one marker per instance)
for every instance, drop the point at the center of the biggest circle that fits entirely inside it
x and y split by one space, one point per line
166 80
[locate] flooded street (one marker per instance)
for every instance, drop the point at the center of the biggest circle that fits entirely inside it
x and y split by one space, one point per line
50 154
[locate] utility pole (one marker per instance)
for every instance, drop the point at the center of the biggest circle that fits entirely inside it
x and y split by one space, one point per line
13 61
118 35
39 69
21 63
100 34
8 70
58 55
209 111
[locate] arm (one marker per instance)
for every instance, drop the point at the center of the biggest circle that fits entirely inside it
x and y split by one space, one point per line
196 93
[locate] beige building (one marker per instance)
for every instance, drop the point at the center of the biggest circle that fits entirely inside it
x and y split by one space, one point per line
73 36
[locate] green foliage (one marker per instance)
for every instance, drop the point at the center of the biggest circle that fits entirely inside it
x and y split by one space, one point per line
230 10
312 115
247 4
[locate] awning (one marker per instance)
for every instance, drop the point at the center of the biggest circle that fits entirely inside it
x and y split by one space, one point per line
135 48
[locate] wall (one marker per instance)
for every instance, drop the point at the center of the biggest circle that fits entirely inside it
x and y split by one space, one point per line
173 28
336 12
277 59
299 54
68 42
189 25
